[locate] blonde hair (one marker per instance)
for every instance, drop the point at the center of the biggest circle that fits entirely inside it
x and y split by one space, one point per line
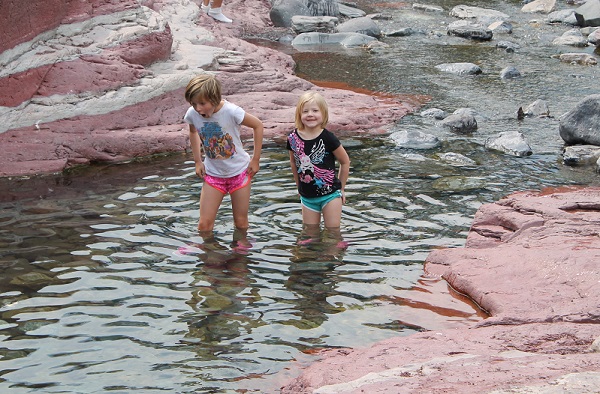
206 86
308 97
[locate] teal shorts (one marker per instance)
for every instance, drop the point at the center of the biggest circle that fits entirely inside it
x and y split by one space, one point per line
317 203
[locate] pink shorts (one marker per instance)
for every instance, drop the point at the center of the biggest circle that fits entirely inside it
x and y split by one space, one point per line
228 185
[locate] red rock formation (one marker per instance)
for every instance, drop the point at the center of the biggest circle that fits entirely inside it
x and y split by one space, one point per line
102 80
531 260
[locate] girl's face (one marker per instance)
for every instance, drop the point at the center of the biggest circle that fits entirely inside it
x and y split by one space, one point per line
204 107
311 116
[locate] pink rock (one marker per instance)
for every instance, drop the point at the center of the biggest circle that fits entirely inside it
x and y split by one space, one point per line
531 261
262 82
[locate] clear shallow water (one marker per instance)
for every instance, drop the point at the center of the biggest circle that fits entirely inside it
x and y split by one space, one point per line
106 286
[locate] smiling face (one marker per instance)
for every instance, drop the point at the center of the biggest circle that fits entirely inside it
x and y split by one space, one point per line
311 116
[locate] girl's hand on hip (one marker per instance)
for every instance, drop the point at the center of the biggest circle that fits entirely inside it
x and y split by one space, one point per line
200 170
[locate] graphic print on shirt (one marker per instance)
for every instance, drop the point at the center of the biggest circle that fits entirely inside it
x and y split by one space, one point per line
308 165
216 144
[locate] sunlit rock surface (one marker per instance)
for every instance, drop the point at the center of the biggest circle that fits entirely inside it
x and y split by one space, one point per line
103 80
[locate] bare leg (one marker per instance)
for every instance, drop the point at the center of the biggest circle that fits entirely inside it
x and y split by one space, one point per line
310 217
240 203
332 213
210 201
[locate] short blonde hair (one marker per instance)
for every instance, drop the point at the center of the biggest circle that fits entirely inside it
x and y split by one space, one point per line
206 86
308 97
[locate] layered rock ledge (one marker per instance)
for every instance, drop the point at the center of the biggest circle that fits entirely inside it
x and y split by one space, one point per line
103 80
532 261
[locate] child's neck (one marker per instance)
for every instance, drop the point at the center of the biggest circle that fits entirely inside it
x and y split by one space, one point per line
310 133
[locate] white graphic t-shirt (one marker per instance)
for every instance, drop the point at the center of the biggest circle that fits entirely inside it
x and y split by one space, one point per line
224 154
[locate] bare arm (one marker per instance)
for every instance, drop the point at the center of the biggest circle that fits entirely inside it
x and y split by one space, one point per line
342 157
196 145
256 125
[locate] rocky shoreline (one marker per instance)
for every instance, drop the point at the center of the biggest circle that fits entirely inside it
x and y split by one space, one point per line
531 261
57 114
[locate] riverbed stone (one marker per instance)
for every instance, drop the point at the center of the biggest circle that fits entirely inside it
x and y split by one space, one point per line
510 72
538 108
460 68
461 123
362 25
572 37
282 12
469 12
414 139
578 58
540 6
470 30
581 125
581 155
510 142
563 16
305 24
588 14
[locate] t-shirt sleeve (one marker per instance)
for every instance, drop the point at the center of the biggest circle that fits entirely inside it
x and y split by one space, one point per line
238 114
332 141
187 118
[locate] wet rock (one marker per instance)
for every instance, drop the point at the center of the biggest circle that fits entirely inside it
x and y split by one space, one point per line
510 142
572 37
427 8
362 25
578 58
282 12
581 125
460 123
540 6
509 46
468 12
470 30
588 14
457 159
563 16
594 37
458 184
348 40
460 68
538 108
501 27
414 139
510 72
581 155
350 12
435 113
322 24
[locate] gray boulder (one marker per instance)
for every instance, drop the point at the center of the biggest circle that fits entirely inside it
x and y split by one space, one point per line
471 30
588 14
510 72
460 68
460 123
282 12
414 139
581 125
362 25
510 142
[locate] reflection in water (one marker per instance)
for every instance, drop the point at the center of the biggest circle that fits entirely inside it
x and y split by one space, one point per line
312 278
218 299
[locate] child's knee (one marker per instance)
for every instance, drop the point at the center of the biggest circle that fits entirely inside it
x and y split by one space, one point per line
205 225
